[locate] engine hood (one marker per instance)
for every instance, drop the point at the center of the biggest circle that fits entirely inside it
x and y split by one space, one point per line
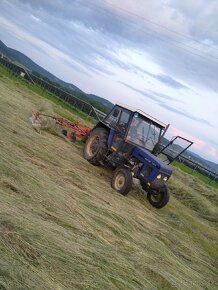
145 156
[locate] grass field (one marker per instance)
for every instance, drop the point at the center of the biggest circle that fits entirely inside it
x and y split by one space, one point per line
193 172
63 227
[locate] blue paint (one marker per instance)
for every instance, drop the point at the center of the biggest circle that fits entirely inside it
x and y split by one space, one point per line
148 159
110 137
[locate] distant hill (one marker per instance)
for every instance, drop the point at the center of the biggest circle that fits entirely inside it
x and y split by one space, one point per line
199 159
101 100
98 102
193 156
27 63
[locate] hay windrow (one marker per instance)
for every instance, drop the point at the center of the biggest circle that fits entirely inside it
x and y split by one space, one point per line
63 227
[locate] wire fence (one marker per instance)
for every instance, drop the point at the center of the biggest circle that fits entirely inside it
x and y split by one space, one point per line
195 166
61 94
88 109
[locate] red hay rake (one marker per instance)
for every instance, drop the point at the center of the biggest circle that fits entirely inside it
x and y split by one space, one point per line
75 130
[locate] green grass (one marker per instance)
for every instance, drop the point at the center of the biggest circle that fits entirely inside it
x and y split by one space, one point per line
42 92
37 89
200 176
63 227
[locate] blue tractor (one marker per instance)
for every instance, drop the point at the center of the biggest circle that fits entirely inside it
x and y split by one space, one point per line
128 140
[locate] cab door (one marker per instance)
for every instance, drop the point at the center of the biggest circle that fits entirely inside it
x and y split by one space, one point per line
120 128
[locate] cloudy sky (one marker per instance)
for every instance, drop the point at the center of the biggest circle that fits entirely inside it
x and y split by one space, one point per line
160 56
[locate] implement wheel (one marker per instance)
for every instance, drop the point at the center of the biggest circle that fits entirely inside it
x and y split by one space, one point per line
96 146
122 180
158 197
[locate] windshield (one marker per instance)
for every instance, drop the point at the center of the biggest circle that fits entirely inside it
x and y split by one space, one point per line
143 132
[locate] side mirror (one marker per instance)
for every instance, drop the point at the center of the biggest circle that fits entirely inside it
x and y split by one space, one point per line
116 113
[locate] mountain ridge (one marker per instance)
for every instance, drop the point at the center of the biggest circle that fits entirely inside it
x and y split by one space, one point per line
26 62
98 102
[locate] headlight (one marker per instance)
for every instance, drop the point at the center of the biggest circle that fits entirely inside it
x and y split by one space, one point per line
165 178
159 176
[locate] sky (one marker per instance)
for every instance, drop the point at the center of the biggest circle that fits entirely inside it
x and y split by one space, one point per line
160 56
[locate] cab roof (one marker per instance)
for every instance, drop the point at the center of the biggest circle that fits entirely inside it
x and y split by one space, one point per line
161 124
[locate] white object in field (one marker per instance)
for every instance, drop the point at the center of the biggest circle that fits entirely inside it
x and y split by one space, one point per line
36 122
22 74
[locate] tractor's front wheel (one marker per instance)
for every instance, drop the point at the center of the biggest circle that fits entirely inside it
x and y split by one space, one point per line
96 146
158 197
122 180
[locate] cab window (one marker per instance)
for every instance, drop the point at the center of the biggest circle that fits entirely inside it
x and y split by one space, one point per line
123 121
113 117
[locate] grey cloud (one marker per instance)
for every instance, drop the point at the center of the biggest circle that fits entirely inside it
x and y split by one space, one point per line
206 19
165 97
77 68
150 94
170 81
165 79
98 15
84 47
187 115
172 53
160 98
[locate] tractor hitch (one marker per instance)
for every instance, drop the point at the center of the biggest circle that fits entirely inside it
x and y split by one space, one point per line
70 130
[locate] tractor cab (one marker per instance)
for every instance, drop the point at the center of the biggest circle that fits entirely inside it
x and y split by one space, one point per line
134 127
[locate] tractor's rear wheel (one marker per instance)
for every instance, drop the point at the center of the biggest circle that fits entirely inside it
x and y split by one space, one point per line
96 146
122 180
158 197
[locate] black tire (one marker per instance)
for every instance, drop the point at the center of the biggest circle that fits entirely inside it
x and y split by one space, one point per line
159 198
96 146
144 186
122 180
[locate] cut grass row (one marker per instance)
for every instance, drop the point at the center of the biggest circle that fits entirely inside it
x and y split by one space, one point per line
57 101
193 172
63 227
42 92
